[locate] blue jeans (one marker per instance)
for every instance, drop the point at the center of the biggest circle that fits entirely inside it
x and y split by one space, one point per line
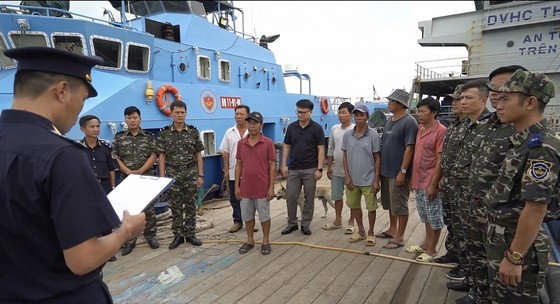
235 204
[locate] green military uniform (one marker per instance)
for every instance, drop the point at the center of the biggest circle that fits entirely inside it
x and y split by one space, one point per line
133 151
490 146
528 173
180 148
451 143
461 194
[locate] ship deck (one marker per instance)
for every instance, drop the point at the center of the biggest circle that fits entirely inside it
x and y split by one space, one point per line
320 268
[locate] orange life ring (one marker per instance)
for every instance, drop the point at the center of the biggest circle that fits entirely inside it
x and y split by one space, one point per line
324 105
162 104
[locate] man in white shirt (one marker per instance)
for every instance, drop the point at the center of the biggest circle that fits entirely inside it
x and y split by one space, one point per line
335 169
228 147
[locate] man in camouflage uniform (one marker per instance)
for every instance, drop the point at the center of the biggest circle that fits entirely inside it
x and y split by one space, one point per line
489 148
180 157
474 95
135 151
517 246
450 150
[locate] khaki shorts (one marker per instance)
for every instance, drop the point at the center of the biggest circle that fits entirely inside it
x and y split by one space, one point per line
250 205
395 198
354 198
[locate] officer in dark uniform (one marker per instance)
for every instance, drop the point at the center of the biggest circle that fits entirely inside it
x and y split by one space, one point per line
100 152
52 208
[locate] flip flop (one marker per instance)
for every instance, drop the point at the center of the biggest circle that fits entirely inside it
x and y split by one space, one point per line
356 238
331 226
384 235
349 229
393 245
424 258
415 249
266 249
370 240
246 247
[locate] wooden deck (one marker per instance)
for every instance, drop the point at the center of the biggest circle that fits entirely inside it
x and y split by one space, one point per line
320 268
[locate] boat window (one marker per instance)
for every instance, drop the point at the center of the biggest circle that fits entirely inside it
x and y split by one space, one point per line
203 67
109 49
5 61
224 71
137 57
72 42
28 38
209 141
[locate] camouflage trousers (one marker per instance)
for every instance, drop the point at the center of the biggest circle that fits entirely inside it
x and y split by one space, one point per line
451 220
534 268
475 228
183 195
150 229
454 242
463 205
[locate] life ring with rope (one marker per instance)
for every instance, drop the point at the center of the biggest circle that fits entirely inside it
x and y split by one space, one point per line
324 105
163 104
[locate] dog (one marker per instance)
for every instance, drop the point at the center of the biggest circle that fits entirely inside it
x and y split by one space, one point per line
321 192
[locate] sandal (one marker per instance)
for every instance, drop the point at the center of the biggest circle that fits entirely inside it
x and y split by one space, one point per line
370 240
349 229
331 226
415 249
266 249
424 258
246 247
384 235
356 237
393 245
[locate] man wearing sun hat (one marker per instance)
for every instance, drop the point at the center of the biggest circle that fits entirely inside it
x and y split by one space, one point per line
52 208
397 148
517 247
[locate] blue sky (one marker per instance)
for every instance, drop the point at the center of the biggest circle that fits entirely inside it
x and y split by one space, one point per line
346 47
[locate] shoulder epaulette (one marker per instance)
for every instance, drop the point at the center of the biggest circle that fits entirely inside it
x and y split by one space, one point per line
191 127
535 140
105 143
165 128
120 132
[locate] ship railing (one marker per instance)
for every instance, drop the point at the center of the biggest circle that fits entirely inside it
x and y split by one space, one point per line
54 12
447 68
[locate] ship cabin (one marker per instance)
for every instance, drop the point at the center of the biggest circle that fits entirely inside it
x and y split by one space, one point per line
496 33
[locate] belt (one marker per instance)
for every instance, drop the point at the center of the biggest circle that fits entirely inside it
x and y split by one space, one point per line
454 181
499 222
183 167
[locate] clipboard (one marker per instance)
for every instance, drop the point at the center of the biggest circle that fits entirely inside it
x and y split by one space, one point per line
136 191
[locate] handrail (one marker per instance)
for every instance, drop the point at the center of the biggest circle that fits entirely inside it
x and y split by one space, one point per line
301 78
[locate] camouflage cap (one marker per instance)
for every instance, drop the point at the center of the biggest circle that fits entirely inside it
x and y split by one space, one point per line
530 84
457 93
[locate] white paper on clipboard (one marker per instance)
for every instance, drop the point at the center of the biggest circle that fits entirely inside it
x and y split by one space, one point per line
135 192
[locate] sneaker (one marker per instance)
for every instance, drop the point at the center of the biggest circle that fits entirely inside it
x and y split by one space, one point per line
235 227
470 298
446 259
456 274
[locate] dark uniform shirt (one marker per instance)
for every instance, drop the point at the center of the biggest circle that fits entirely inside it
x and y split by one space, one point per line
134 150
101 158
304 142
49 201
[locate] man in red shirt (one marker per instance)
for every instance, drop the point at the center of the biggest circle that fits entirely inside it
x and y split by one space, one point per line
255 173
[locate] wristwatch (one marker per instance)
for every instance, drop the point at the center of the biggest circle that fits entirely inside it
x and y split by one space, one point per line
320 170
201 175
403 171
515 255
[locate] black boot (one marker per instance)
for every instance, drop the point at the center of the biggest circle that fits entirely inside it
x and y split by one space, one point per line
178 240
128 246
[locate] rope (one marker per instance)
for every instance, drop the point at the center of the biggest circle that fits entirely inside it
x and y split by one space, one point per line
350 251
